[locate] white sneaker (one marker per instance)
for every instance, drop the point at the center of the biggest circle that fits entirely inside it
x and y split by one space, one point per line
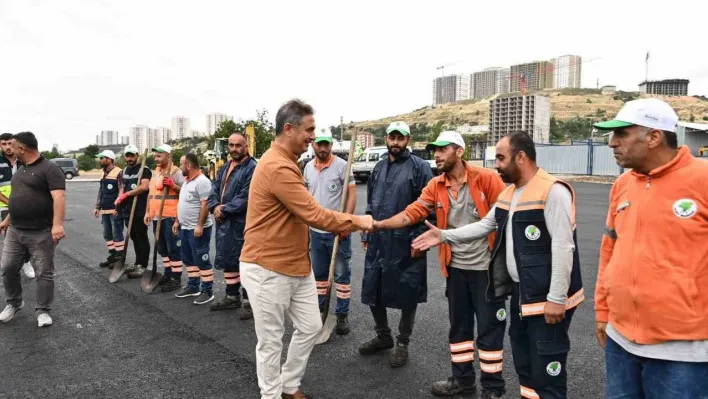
44 320
9 312
28 269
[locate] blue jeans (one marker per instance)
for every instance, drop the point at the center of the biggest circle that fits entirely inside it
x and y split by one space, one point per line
113 232
634 377
321 246
195 257
168 247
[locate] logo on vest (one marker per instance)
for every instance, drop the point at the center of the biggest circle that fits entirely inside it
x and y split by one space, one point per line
110 187
501 314
685 208
133 186
205 257
532 232
553 368
333 187
179 243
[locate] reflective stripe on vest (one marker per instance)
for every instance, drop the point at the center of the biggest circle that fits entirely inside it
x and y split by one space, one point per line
155 196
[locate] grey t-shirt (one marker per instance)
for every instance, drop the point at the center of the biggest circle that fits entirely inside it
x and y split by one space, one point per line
559 225
191 195
326 185
473 255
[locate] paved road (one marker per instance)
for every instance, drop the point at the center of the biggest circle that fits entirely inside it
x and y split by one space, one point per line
113 341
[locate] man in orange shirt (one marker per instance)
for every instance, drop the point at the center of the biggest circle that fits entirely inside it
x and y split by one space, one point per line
463 194
275 262
651 298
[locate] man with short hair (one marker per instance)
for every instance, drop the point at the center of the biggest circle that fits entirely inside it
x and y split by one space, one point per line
35 225
535 247
394 275
461 195
228 202
275 264
8 167
651 303
324 178
133 190
167 243
193 225
111 220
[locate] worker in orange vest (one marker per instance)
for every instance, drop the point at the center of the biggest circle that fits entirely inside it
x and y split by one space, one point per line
168 245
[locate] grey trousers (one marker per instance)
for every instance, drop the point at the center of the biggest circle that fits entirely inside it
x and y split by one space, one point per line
39 245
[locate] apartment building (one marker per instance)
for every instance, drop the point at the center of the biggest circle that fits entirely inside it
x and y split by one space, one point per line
124 140
180 128
489 82
140 137
538 75
567 70
164 135
667 87
531 114
366 139
451 88
213 121
107 137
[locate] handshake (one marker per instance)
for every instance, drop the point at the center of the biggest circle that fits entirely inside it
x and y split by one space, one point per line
366 223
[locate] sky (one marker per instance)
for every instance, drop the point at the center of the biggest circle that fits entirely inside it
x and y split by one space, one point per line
71 68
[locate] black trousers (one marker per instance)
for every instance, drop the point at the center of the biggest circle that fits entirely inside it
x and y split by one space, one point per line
141 241
465 290
540 352
405 325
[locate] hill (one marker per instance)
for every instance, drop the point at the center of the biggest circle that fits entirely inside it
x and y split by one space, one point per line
584 106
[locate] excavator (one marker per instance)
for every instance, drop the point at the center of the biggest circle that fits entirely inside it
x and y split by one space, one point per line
217 157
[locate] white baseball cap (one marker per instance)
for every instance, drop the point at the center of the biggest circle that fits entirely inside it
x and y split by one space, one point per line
106 154
163 148
400 127
648 112
446 138
130 149
324 135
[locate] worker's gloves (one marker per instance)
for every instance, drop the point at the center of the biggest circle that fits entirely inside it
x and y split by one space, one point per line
121 198
167 181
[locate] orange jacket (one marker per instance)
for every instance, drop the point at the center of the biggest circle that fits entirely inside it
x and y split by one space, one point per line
484 185
652 284
155 196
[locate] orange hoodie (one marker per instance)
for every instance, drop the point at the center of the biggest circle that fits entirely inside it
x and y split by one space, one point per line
652 284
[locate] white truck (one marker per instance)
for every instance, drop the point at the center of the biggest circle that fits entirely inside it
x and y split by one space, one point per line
364 164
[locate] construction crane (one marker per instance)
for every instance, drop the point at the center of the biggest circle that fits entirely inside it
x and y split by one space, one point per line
442 67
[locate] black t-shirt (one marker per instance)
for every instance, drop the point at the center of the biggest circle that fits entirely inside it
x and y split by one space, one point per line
31 202
130 182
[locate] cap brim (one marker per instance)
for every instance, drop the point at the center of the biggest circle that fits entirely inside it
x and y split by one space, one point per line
160 150
402 132
321 139
131 152
436 144
612 125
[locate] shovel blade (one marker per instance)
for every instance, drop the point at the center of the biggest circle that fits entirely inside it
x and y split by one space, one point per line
327 329
149 282
117 272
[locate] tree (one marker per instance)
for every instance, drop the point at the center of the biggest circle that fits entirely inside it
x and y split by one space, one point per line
435 131
51 154
92 150
225 129
86 162
556 131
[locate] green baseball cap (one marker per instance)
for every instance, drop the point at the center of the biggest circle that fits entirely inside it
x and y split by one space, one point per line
325 135
400 127
163 148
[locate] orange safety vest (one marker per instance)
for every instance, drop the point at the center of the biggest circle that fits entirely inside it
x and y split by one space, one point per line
155 195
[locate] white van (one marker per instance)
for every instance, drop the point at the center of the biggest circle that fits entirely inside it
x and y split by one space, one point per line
364 164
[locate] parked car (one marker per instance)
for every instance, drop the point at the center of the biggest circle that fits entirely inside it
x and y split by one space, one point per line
429 157
69 166
364 165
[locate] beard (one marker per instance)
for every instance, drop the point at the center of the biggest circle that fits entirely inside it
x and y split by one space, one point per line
237 156
395 150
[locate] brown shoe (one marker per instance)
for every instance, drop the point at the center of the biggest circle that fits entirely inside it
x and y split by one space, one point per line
296 395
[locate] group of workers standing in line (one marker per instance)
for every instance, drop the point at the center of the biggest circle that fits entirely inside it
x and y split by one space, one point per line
496 241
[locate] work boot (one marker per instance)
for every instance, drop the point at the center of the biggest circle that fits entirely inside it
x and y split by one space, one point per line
247 312
451 387
228 302
172 284
118 258
487 394
296 395
110 259
342 325
399 356
137 273
131 268
163 280
376 345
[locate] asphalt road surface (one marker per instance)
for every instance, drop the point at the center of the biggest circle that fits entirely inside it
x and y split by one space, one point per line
112 341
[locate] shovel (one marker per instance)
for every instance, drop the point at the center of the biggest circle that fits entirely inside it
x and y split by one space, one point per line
149 282
328 322
119 267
